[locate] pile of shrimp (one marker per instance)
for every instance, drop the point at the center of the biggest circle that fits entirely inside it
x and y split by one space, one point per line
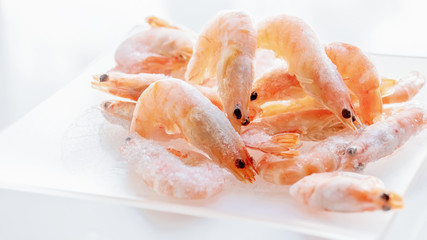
199 104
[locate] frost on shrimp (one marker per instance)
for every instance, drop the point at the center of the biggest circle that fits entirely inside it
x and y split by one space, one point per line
292 39
349 151
225 49
404 89
344 192
178 107
189 176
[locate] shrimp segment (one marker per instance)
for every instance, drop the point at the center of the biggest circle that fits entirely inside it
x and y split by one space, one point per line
226 50
156 50
184 175
360 76
344 192
405 88
178 107
349 151
293 40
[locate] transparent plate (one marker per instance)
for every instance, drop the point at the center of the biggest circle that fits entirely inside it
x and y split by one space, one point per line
64 147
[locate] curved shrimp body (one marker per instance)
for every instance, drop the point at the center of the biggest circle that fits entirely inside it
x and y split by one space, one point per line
293 40
180 174
226 50
311 125
131 86
178 107
405 88
360 76
383 138
344 192
156 50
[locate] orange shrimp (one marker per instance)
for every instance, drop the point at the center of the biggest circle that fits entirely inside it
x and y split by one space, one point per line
360 76
383 138
344 192
293 40
131 86
226 50
404 89
180 174
177 107
156 50
284 144
349 151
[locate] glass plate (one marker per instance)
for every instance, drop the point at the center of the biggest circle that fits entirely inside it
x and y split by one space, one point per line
64 147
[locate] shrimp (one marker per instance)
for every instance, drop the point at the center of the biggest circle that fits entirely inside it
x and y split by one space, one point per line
131 86
383 138
179 174
360 76
312 125
293 40
405 88
349 151
284 144
178 107
226 49
344 192
156 50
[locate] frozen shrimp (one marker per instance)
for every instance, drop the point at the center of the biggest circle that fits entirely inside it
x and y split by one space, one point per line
175 173
404 89
156 50
284 144
344 192
178 107
360 76
293 105
292 39
383 138
225 49
349 151
131 86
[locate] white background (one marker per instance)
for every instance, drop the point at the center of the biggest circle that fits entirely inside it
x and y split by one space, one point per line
44 44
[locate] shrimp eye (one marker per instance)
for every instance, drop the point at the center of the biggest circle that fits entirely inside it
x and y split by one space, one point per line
103 78
352 150
237 113
346 113
128 139
246 122
385 196
353 118
239 163
254 95
107 104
